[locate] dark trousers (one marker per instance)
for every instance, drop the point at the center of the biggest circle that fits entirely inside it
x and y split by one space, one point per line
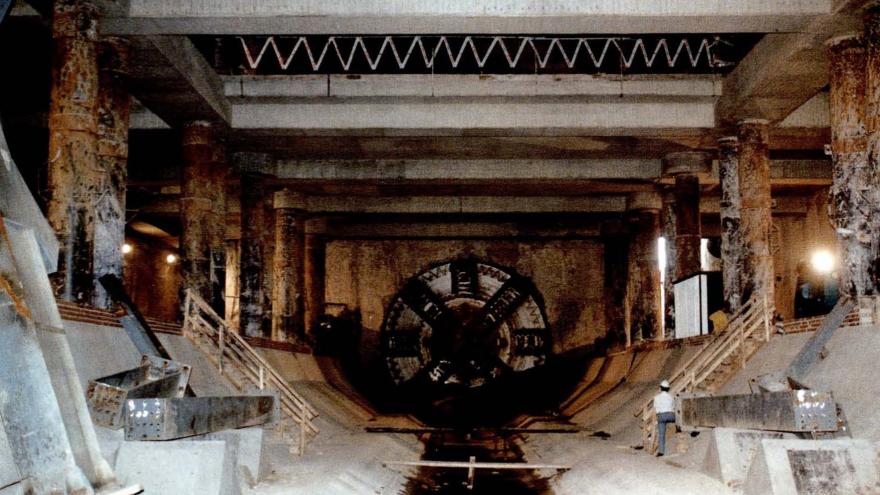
662 420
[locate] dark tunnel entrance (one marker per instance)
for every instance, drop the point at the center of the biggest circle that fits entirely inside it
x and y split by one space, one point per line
457 336
466 344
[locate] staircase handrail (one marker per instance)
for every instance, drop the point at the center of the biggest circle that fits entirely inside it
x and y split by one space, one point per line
750 317
256 368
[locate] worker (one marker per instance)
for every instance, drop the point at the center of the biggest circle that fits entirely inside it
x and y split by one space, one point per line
664 407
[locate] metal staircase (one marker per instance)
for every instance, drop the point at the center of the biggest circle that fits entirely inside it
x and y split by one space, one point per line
244 367
716 362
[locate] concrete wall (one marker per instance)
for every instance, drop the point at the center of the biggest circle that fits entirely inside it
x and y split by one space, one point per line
365 274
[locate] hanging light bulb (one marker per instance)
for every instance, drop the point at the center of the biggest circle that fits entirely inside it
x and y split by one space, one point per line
823 262
171 259
127 248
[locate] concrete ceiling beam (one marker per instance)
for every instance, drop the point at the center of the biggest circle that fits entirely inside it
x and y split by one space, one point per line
446 16
785 70
429 205
250 88
609 116
172 79
465 170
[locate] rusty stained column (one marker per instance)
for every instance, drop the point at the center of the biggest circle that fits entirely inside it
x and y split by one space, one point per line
667 226
218 173
314 274
114 109
256 246
288 267
731 235
74 173
755 215
196 208
642 314
872 129
685 167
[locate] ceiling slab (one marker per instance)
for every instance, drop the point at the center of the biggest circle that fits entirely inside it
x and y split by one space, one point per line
462 16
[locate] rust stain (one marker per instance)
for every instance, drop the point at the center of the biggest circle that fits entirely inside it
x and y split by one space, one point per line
6 284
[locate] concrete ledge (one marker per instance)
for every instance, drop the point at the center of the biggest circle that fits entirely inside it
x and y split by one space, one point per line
792 467
192 467
731 452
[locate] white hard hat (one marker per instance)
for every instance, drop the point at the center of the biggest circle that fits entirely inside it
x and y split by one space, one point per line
664 384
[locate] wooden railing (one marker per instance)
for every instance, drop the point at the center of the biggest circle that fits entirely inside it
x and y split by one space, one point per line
754 318
232 351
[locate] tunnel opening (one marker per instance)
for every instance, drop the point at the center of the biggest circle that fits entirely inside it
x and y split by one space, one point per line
465 343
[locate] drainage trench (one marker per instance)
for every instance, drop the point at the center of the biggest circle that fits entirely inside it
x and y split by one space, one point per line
483 446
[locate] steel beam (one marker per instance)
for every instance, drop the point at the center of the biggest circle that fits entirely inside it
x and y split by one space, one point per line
155 377
796 411
171 418
137 328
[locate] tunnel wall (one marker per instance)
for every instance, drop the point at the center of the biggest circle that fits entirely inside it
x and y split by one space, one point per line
794 240
365 274
151 282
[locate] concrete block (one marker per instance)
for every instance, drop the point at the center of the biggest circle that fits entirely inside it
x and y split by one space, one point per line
245 449
731 452
191 467
793 467
9 474
109 441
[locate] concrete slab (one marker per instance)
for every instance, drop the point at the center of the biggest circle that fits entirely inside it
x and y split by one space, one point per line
205 380
293 366
792 467
100 350
191 467
731 452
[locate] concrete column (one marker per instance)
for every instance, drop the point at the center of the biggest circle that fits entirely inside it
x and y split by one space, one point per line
256 246
872 128
233 283
616 265
314 274
731 236
850 210
755 214
218 173
197 216
642 314
667 226
74 174
114 108
685 167
288 264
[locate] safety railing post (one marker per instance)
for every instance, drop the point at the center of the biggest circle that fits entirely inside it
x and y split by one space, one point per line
302 432
222 348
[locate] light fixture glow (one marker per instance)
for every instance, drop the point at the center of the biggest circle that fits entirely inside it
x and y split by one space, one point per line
171 259
822 262
126 248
